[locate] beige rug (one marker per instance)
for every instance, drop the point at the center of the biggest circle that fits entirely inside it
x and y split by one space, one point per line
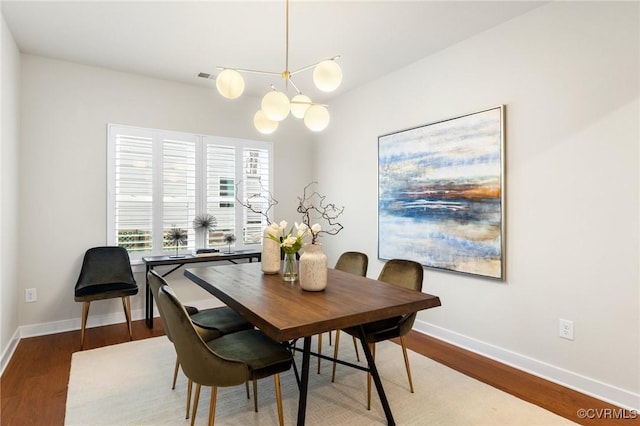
130 384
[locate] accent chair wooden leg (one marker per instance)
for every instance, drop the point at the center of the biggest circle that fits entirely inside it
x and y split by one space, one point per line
406 362
276 379
195 404
246 385
189 388
212 406
335 355
355 346
85 314
175 373
372 348
319 350
126 304
255 395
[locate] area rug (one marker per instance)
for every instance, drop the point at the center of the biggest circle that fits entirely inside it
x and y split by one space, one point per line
130 384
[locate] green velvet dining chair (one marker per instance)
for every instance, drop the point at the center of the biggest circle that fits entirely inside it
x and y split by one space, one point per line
355 263
229 360
402 273
105 274
208 323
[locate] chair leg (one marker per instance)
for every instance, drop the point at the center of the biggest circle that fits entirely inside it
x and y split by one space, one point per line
406 362
372 348
355 346
195 404
126 304
212 406
319 350
175 373
330 338
276 379
246 385
255 395
335 355
189 387
85 314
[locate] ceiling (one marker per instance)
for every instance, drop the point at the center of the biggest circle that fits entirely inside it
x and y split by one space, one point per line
177 40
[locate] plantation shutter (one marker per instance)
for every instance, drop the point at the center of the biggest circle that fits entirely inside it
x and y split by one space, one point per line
133 192
179 188
256 164
220 184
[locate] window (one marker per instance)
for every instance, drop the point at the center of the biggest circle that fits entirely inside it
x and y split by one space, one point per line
159 180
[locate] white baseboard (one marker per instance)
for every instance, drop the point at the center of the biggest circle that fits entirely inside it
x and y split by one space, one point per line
9 350
612 394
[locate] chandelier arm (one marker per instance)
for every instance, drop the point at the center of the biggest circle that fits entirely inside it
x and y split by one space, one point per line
251 71
294 85
313 65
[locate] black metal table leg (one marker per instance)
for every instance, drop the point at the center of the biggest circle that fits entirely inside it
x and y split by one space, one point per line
376 378
302 402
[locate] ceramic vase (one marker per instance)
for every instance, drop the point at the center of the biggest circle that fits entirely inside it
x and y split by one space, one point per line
290 267
313 268
270 259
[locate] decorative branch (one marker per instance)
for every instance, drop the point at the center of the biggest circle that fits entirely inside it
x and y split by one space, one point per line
314 202
264 194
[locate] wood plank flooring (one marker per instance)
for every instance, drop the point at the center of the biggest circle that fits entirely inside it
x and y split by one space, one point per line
33 388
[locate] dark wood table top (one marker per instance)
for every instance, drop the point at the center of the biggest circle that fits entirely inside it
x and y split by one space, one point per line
285 312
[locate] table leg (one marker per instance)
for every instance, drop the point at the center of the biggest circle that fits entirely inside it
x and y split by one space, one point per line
148 300
376 378
302 401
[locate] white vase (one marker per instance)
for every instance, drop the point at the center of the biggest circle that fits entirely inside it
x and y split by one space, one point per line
270 259
313 268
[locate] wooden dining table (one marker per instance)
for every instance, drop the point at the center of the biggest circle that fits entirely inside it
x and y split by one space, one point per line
285 312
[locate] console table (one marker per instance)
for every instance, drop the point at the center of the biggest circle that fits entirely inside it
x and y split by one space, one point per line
153 261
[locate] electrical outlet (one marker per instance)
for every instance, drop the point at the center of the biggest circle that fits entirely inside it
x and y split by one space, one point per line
565 329
30 295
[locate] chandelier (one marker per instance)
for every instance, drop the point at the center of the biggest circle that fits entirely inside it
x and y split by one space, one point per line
276 105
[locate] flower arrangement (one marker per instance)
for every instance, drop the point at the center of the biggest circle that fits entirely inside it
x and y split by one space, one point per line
289 242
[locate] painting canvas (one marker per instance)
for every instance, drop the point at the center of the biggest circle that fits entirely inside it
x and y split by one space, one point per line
440 194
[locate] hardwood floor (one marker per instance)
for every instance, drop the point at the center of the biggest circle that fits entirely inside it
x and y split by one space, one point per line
33 387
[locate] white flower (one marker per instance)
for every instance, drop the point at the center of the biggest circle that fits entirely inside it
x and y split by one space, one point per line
283 225
289 241
315 228
302 229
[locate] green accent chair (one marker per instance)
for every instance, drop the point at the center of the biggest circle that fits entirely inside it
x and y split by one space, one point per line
355 263
402 273
105 274
229 360
209 324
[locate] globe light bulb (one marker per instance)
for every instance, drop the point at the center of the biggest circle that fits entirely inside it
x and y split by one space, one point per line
299 105
327 75
275 105
263 124
316 118
230 83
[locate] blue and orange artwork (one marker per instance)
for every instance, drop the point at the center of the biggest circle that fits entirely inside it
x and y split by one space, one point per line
440 194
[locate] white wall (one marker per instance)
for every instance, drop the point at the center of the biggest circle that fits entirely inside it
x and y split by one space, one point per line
65 110
568 73
10 82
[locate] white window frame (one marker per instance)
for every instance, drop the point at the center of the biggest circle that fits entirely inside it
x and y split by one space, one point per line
113 130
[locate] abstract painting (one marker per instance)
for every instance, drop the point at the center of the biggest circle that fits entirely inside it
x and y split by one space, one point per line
441 195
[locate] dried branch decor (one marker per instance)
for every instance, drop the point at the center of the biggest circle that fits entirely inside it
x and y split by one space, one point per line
313 205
